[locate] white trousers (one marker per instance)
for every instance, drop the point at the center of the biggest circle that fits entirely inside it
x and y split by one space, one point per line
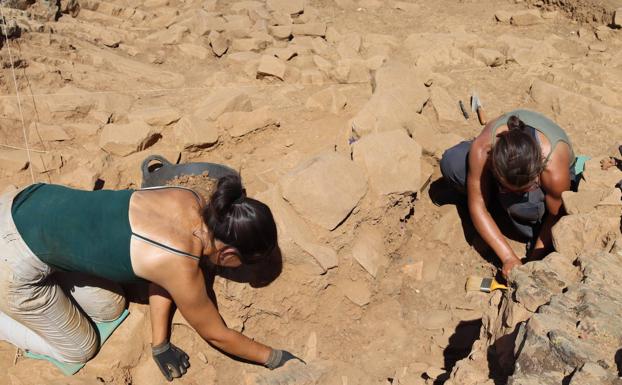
46 311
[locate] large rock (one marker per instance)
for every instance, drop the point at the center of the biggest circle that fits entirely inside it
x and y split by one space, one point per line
292 226
271 66
448 229
325 189
125 139
249 44
349 46
446 106
193 133
45 162
351 71
221 101
432 141
47 133
369 251
526 18
561 101
201 23
392 160
156 116
330 100
432 49
12 161
357 291
73 100
281 31
595 178
241 123
194 50
169 36
582 202
82 177
574 233
219 43
490 57
291 7
398 96
527 52
309 29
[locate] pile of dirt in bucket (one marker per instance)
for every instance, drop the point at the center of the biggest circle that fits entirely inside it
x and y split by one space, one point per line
202 184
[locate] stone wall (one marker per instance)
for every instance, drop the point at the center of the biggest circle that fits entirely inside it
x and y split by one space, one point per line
588 11
559 322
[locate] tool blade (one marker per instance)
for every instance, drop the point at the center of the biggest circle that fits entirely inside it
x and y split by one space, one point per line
475 103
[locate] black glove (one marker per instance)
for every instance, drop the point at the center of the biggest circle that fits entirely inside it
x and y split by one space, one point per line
172 361
278 358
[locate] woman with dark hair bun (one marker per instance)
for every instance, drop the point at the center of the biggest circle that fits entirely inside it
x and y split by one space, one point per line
163 235
527 162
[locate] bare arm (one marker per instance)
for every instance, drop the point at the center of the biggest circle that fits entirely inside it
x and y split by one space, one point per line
554 180
160 305
189 293
478 196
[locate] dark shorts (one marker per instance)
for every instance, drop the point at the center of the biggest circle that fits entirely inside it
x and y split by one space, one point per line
524 210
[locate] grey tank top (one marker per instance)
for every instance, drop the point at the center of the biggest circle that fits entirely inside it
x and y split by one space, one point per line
541 123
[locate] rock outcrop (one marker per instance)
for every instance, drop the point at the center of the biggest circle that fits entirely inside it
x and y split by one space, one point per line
555 325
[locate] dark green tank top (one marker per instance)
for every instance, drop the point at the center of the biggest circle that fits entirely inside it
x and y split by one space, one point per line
77 230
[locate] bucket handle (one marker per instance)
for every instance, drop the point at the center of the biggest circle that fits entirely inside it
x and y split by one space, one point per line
145 166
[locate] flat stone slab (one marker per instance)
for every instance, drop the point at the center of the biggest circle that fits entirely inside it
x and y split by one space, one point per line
392 161
325 189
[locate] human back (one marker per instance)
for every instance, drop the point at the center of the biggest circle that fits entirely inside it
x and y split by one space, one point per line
77 230
170 217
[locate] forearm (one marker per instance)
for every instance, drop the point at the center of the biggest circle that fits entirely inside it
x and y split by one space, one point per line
160 305
239 345
490 233
544 242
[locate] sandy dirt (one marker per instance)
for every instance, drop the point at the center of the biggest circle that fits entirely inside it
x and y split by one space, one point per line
202 183
124 80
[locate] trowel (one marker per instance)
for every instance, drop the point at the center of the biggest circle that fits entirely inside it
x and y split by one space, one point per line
476 106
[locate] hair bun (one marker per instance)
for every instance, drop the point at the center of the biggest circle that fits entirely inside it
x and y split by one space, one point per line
228 191
514 123
241 198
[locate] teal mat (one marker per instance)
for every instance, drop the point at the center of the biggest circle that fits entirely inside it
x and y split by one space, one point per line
579 164
104 330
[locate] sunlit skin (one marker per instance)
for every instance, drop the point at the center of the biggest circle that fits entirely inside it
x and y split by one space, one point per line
554 180
173 217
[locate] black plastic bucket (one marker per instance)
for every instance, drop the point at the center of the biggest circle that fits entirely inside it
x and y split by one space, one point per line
164 171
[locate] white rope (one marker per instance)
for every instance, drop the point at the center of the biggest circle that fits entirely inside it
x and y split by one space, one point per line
19 103
171 90
22 148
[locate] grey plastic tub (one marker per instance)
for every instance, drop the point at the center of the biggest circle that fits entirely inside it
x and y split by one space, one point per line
163 171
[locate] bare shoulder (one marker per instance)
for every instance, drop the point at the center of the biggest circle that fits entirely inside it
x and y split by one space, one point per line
561 156
556 176
482 144
169 212
181 199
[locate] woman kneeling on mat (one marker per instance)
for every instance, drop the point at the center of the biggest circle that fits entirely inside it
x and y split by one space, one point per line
527 161
161 235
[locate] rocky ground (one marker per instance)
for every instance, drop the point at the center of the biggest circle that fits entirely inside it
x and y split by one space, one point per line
336 113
